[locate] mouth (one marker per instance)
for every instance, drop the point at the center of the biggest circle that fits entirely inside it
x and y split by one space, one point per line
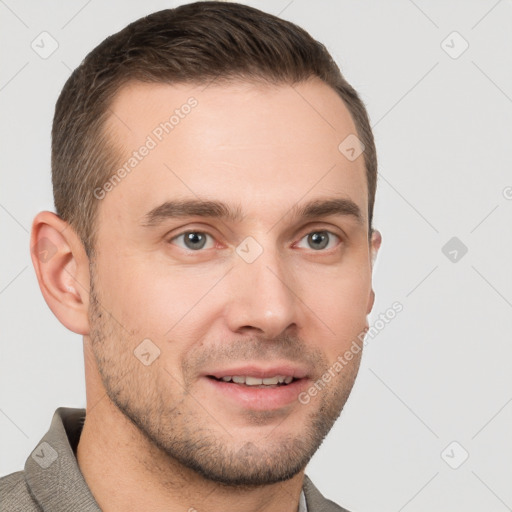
256 382
258 389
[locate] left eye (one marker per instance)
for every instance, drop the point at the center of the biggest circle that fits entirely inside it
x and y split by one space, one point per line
319 240
194 240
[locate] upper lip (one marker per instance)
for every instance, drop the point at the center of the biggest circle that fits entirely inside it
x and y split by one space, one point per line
262 372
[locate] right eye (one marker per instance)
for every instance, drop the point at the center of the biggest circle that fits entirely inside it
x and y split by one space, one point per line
193 240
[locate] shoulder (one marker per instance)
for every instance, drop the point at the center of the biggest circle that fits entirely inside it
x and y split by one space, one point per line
315 500
15 495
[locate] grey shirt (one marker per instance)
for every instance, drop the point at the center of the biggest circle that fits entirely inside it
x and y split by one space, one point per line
52 481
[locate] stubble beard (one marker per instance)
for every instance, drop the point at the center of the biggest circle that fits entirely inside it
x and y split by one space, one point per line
184 433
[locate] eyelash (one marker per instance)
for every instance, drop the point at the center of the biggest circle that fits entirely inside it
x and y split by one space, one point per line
208 234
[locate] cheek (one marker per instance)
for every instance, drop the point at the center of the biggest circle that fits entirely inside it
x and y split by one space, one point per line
156 300
136 295
339 302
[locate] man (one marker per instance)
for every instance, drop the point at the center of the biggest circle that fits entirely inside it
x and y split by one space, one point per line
214 178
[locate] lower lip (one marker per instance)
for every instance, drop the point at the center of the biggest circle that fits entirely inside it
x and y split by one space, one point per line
259 399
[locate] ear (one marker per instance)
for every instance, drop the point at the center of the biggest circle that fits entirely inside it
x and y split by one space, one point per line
375 243
62 269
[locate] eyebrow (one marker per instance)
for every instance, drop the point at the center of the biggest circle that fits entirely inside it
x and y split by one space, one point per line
192 208
217 209
325 207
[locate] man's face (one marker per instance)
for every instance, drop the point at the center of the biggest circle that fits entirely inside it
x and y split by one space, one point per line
270 294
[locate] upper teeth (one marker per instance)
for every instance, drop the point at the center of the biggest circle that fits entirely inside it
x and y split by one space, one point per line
256 381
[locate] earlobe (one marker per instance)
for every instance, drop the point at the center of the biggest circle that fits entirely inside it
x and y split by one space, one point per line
62 270
371 301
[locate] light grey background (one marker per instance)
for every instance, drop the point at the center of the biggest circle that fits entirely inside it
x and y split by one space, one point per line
440 371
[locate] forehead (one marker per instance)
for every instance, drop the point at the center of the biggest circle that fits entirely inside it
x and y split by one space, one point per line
262 146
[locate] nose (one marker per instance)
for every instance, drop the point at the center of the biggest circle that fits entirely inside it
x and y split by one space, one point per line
263 300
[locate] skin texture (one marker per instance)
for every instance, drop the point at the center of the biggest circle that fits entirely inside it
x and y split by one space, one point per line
161 436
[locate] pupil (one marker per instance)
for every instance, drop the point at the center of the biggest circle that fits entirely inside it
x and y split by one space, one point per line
319 240
195 240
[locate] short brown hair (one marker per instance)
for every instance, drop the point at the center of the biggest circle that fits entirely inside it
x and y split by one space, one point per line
193 43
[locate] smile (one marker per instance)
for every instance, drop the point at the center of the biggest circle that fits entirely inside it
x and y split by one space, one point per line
247 380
